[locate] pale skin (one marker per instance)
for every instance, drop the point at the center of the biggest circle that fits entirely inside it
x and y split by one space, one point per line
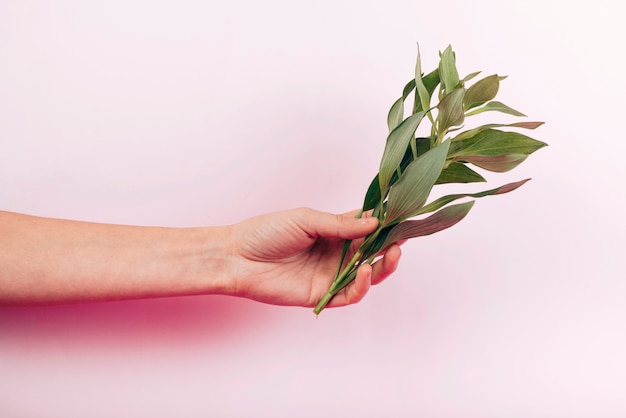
282 258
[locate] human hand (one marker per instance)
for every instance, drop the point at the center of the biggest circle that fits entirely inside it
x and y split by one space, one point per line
290 257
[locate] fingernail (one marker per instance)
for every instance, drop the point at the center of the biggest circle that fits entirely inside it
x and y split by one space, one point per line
367 221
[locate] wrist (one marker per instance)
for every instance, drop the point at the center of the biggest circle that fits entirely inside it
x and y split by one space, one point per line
212 268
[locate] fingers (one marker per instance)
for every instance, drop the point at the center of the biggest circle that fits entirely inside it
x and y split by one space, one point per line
361 285
385 267
368 275
356 290
321 224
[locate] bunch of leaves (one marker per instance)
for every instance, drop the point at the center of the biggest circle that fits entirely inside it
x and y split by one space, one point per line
412 165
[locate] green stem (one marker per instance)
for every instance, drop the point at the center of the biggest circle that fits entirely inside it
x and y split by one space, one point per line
432 140
344 251
348 274
323 302
348 268
335 288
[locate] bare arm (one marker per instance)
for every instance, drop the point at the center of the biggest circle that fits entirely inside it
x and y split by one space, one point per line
285 258
51 260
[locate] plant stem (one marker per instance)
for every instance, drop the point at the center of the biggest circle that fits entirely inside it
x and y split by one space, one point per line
346 271
348 274
323 302
342 280
336 287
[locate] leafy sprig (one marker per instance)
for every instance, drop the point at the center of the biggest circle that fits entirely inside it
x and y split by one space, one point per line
411 166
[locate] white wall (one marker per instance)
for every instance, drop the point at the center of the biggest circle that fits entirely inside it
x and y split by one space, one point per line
196 112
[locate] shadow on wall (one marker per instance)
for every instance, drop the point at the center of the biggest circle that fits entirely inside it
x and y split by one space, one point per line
176 321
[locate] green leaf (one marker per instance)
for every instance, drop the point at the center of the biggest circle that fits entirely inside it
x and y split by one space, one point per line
472 132
408 89
430 82
492 142
372 196
470 76
438 221
396 114
458 173
451 112
411 191
344 253
525 125
442 201
497 163
395 148
482 91
447 70
371 247
421 91
495 106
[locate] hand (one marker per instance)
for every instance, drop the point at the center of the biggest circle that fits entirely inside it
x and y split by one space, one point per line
290 257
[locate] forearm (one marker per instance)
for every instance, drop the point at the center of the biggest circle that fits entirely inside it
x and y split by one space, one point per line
49 260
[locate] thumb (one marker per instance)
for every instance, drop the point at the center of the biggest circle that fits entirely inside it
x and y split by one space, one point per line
344 226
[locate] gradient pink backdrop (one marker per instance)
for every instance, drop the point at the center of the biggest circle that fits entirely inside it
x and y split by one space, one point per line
194 113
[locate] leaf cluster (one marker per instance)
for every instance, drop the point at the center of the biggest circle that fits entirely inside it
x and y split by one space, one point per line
412 165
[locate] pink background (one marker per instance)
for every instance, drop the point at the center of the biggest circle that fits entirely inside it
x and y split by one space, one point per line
200 113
